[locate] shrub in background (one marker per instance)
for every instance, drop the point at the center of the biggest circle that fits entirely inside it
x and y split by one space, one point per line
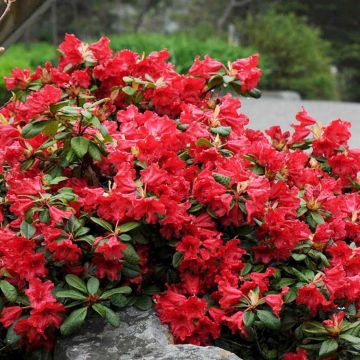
296 52
123 181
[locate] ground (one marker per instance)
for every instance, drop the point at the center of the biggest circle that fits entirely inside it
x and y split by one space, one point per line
266 111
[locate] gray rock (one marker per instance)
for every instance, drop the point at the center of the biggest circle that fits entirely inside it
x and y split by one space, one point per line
140 336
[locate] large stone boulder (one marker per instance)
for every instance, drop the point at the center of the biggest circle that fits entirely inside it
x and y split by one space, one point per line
140 336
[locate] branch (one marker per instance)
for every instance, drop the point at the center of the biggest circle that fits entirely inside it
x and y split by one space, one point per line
7 9
232 4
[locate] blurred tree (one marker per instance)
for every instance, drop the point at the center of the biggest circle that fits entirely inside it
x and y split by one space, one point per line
339 23
297 53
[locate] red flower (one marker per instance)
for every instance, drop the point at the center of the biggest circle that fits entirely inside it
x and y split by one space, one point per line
275 301
205 68
20 79
311 296
334 325
70 49
110 248
189 246
58 215
39 293
300 354
65 250
39 101
101 50
247 72
9 314
236 323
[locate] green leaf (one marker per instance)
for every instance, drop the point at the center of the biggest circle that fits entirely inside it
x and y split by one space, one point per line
51 128
196 207
214 81
130 270
248 318
128 90
120 290
57 106
73 225
74 321
107 313
255 93
298 257
57 180
80 145
82 231
33 129
328 347
151 290
222 179
76 283
125 237
285 282
9 290
143 302
350 338
27 229
301 211
70 294
70 110
268 319
102 223
228 79
112 318
27 164
204 142
128 79
177 257
11 336
290 296
129 226
130 255
221 130
317 217
94 151
313 328
93 285
119 300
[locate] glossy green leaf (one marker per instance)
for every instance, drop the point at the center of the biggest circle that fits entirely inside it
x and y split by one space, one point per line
80 146
221 130
328 347
130 254
129 226
27 230
93 285
222 179
120 290
102 223
107 313
76 283
33 129
119 300
8 290
70 294
73 322
268 319
143 302
177 257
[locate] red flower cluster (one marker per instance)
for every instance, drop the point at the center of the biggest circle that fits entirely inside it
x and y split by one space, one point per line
115 169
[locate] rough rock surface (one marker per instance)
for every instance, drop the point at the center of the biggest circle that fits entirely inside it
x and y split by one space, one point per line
140 336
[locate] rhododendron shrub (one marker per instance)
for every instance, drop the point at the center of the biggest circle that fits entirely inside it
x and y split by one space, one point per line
124 182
